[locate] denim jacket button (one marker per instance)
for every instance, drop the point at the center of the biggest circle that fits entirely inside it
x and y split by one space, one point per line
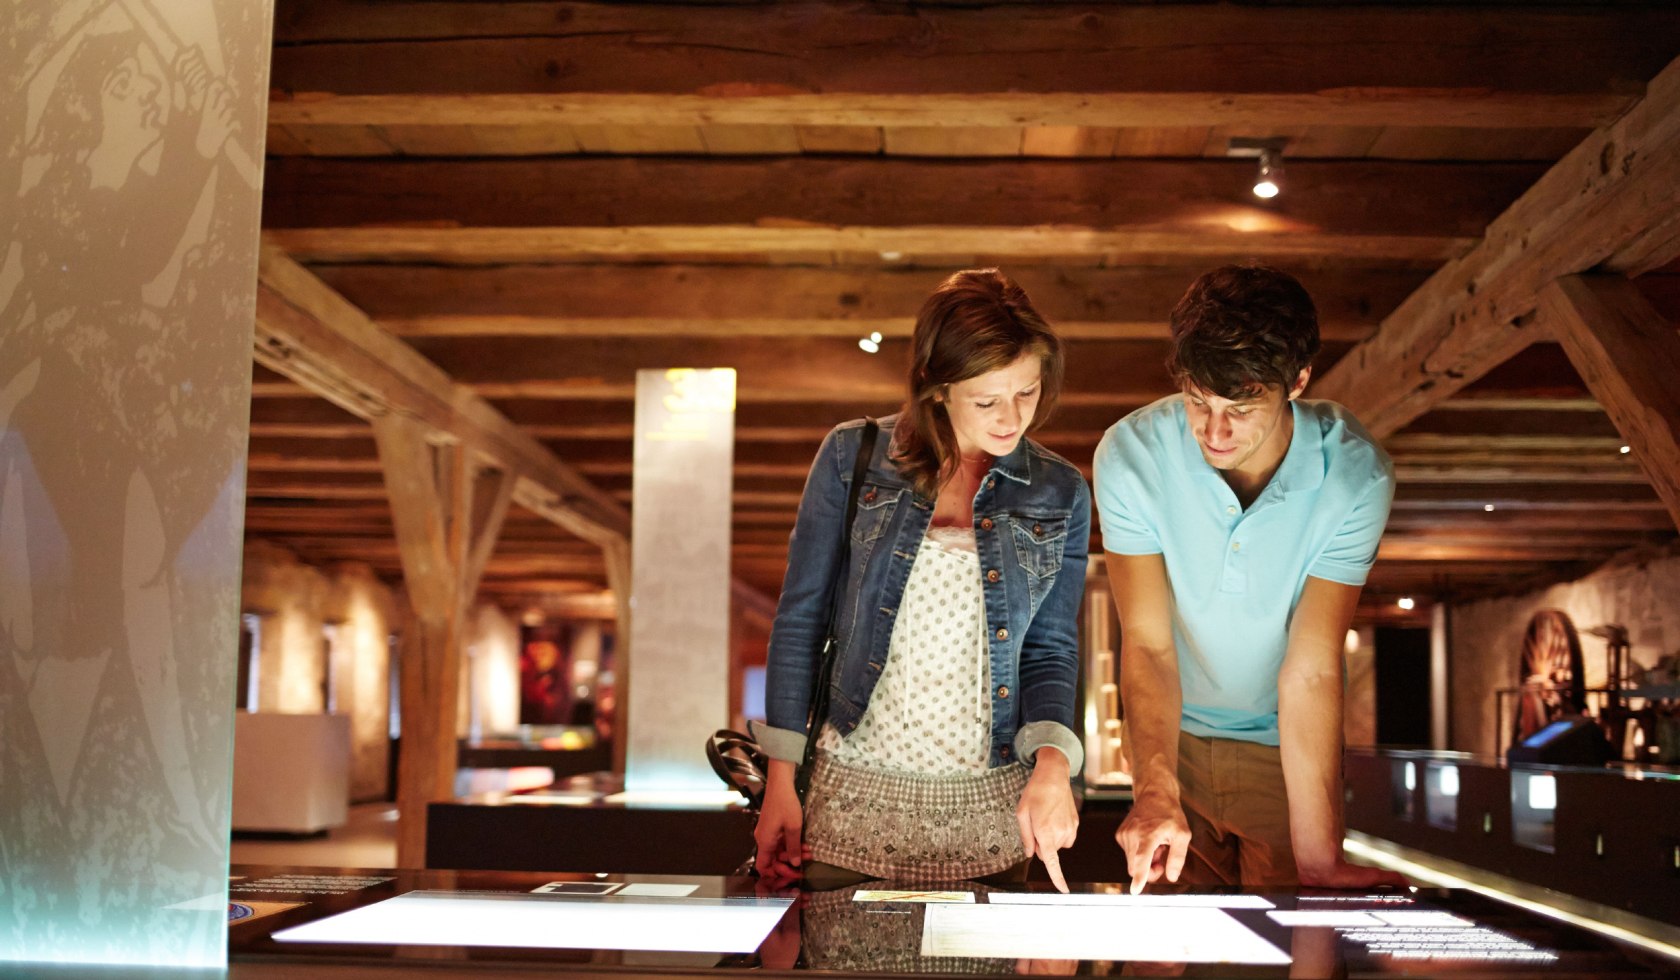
1038 528
991 481
1002 633
869 497
985 523
1004 751
1003 692
992 575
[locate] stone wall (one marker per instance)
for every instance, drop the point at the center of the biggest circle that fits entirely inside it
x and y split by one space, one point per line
493 662
1640 591
295 603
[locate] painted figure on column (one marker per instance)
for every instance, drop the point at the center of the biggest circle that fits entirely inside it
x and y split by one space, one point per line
125 259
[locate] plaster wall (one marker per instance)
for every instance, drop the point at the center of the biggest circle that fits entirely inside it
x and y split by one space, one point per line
294 603
494 667
1641 593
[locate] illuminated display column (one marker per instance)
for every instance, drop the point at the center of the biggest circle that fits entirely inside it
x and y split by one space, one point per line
129 193
679 619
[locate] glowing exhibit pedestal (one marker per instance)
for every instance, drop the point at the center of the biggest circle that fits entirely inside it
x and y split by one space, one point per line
679 616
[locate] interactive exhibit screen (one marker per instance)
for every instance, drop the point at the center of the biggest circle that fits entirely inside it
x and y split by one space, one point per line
975 923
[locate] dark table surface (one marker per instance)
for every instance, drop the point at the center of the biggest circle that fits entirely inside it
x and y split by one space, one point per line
1425 932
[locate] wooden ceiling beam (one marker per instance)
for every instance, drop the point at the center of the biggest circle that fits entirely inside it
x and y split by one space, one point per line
1428 200
746 301
1618 190
312 334
786 49
946 247
1629 356
448 121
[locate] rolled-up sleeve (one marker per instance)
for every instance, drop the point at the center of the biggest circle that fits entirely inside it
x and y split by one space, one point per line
1050 648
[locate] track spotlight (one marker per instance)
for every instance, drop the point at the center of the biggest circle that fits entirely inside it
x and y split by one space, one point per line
1268 181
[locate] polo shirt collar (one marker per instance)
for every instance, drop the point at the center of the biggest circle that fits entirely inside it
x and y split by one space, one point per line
1303 462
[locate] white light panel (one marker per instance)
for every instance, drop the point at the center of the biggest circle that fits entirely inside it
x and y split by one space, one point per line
1155 901
1094 932
533 921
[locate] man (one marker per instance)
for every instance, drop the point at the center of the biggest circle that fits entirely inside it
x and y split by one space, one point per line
1238 525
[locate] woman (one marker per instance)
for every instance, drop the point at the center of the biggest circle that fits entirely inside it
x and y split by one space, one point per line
948 743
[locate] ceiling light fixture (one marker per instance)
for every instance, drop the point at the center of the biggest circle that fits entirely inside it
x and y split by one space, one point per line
1406 602
1626 449
1268 181
1488 508
872 343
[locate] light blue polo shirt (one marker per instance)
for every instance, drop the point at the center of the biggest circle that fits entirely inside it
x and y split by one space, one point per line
1236 575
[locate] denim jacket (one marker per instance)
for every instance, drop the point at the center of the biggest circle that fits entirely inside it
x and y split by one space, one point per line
1032 526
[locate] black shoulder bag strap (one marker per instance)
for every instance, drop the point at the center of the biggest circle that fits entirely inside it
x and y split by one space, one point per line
821 681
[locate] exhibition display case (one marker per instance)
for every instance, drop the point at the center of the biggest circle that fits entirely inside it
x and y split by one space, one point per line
298 922
1604 834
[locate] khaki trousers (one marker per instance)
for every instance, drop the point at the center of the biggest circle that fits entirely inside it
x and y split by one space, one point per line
1234 799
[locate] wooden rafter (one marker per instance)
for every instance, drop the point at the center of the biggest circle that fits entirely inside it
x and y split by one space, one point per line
925 49
1463 107
1434 200
1629 355
854 244
316 337
1617 194
648 301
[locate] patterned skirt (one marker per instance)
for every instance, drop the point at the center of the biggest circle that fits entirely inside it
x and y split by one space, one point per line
910 828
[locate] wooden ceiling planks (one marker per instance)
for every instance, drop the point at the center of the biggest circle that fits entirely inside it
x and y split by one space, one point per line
587 188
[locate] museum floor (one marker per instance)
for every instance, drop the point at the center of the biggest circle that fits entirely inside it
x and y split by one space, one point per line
368 839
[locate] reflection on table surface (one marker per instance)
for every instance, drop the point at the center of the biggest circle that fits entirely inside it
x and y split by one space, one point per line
640 922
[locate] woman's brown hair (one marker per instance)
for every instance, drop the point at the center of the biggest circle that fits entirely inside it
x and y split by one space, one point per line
978 320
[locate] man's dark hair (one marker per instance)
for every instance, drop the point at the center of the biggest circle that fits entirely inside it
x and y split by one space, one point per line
1240 329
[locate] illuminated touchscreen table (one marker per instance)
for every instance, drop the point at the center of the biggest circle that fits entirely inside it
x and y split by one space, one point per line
473 921
551 921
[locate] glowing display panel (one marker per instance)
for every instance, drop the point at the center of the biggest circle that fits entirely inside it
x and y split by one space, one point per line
1094 932
1157 901
538 921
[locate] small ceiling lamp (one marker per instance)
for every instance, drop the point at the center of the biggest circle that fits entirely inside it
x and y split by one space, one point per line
1268 180
1406 602
872 343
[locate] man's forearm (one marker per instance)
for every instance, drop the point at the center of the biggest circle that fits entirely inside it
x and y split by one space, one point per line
1153 704
1310 738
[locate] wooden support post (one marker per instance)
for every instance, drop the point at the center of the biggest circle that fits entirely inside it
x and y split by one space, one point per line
1629 356
446 512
